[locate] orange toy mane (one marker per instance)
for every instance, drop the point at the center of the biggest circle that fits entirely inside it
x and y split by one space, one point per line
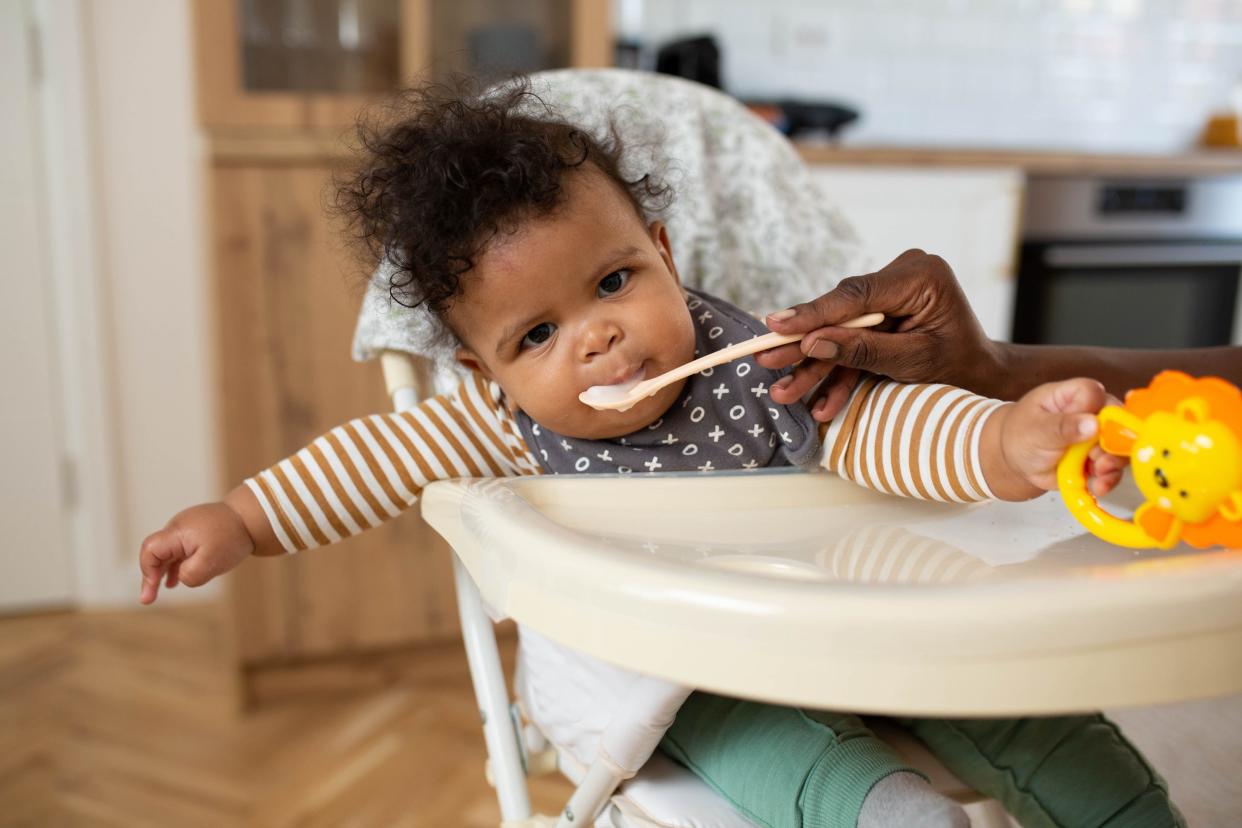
1224 401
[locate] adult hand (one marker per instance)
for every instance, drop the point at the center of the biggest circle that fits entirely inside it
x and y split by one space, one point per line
930 335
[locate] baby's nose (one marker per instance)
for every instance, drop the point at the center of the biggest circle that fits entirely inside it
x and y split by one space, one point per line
599 339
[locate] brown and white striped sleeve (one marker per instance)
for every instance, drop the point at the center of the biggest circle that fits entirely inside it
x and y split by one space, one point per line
371 469
911 440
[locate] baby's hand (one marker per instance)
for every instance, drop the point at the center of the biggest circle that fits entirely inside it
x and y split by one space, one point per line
197 545
1037 430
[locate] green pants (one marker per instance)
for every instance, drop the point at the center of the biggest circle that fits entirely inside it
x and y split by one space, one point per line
788 768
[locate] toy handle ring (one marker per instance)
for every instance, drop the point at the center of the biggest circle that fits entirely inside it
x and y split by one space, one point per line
1082 504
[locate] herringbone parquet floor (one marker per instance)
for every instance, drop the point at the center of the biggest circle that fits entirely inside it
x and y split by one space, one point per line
126 719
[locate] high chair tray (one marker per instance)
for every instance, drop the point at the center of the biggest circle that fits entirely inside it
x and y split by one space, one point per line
806 589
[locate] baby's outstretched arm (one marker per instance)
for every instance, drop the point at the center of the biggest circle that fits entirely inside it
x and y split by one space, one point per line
356 476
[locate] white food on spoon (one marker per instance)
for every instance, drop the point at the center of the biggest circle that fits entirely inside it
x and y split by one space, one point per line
606 396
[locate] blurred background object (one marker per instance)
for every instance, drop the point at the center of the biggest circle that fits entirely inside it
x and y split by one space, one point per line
699 59
693 58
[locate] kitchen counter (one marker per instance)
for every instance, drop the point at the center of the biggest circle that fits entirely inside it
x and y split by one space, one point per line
1032 162
232 147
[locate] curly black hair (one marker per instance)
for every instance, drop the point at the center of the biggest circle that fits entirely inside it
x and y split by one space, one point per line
449 168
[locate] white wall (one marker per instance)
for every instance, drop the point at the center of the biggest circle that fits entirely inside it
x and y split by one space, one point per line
35 569
1133 75
127 239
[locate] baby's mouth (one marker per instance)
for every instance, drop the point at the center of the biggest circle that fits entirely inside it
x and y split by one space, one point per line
613 394
629 376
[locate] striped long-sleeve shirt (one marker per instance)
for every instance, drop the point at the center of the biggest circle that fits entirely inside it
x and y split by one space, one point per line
913 440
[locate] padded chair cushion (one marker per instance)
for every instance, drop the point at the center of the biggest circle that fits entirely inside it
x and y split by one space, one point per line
668 795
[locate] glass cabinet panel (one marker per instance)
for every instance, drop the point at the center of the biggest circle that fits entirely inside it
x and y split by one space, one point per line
492 39
312 64
325 46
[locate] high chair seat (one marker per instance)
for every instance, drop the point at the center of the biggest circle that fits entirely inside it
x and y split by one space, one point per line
808 590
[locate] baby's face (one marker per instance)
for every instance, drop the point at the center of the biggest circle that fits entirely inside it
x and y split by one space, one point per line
586 296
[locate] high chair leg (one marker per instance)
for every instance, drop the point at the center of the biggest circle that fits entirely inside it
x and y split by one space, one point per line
638 723
493 699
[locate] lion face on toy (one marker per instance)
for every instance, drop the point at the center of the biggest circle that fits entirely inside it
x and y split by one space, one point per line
1184 440
1185 465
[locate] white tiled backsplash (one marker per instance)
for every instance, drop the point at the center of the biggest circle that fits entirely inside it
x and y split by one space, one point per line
1107 75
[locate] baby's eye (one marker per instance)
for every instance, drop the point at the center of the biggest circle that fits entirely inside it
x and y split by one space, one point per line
613 282
538 335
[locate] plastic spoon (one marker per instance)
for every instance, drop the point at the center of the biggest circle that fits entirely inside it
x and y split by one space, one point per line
624 396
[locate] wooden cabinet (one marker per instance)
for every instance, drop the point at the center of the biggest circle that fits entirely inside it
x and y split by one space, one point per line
286 308
313 63
286 293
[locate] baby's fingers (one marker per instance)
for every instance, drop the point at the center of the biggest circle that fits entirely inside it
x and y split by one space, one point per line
1075 396
159 552
1105 470
174 575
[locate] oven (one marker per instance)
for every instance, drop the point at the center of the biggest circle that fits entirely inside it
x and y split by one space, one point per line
1152 263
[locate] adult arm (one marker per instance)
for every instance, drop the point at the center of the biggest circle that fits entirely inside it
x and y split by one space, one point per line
932 335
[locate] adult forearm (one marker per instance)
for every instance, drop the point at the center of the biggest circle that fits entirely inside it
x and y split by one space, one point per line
1023 367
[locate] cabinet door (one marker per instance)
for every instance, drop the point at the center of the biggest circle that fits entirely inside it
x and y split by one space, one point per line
315 63
287 294
969 217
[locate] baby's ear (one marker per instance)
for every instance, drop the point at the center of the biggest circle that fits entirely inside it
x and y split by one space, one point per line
471 362
659 237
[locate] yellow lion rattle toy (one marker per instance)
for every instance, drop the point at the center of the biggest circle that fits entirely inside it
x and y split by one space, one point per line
1184 440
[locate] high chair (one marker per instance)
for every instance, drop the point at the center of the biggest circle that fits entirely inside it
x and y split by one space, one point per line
808 590
786 587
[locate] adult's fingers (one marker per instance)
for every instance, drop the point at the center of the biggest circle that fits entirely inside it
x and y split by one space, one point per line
894 290
781 357
852 297
834 393
806 376
902 356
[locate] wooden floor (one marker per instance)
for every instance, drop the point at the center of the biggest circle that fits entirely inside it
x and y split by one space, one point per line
128 719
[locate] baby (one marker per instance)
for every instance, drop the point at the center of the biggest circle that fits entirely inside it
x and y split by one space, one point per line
521 234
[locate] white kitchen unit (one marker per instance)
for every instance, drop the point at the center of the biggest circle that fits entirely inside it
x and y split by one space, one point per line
969 216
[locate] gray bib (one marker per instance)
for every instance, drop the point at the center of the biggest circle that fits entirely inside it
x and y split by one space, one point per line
723 420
